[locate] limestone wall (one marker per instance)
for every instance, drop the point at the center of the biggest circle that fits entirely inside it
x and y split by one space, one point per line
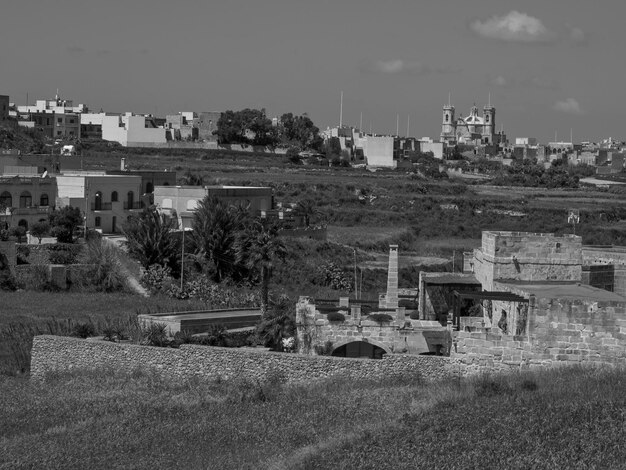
559 331
528 257
56 354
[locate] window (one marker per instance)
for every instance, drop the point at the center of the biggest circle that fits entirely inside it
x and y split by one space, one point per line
192 204
6 200
167 204
98 204
447 118
98 221
26 200
131 199
59 120
114 196
43 200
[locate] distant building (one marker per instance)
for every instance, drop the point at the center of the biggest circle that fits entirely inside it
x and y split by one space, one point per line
379 152
57 106
55 125
181 201
473 129
132 131
107 200
26 197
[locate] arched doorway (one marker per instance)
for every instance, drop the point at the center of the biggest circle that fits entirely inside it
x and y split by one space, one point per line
23 223
359 349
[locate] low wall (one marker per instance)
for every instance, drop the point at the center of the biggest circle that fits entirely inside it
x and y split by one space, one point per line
57 354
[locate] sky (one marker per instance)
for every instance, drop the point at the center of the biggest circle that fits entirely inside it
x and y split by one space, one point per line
549 66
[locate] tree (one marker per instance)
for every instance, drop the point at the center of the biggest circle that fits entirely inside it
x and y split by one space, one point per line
40 230
259 247
63 223
307 208
248 126
150 239
299 130
215 228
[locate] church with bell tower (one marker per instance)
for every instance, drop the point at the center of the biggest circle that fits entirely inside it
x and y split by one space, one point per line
473 129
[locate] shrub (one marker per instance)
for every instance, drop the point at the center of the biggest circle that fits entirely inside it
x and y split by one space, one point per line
336 316
324 349
105 272
380 318
331 275
109 334
157 278
83 330
155 334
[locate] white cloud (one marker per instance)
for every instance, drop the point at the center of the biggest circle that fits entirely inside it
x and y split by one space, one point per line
523 82
569 106
513 27
400 66
577 36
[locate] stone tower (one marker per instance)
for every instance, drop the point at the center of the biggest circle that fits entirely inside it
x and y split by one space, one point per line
448 125
392 278
489 127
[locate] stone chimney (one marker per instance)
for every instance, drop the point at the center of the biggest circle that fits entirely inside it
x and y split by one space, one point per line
392 278
123 164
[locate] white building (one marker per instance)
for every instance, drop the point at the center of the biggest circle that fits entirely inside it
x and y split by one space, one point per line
132 131
378 151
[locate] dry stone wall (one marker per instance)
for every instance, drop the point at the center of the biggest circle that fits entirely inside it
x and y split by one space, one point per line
58 354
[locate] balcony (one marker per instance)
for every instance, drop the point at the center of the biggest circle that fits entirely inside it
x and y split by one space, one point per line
104 206
133 205
31 210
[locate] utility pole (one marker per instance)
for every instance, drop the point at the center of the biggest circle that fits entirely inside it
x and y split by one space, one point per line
182 258
86 207
356 286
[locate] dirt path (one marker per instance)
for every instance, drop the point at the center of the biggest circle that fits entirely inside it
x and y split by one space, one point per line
133 282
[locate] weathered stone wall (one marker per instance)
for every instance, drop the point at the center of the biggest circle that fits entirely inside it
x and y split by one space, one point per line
399 336
528 257
57 354
559 331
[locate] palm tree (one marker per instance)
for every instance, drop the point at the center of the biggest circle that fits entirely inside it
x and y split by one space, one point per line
150 240
307 209
216 225
258 248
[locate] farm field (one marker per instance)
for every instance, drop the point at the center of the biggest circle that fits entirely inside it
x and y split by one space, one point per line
568 418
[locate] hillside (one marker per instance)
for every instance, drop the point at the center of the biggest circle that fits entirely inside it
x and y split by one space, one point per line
24 140
566 418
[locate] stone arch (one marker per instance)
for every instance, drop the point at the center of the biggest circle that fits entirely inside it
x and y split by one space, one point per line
343 346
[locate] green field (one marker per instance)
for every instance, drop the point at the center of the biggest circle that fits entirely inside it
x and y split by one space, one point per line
571 418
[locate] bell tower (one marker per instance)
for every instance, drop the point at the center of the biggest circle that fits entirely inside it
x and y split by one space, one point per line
489 123
448 125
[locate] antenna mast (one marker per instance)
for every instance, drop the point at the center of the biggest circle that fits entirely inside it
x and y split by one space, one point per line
341 111
408 121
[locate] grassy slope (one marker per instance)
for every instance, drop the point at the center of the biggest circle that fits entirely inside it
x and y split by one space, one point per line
574 419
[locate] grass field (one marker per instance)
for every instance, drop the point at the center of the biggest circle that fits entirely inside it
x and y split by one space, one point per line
570 418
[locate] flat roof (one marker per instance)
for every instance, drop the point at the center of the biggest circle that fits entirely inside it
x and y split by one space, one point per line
565 290
450 279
